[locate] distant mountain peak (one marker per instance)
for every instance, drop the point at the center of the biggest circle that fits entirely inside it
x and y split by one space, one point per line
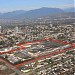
19 14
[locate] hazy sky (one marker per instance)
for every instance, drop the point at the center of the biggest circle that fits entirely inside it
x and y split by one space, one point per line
10 5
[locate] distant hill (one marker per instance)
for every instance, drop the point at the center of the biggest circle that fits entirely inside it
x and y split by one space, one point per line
11 15
30 14
24 17
72 9
41 12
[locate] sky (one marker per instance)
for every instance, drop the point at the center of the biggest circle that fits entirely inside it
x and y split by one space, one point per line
12 5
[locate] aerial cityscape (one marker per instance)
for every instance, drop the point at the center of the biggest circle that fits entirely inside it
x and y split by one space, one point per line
37 37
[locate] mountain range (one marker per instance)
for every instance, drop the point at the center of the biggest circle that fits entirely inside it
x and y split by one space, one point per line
72 9
22 14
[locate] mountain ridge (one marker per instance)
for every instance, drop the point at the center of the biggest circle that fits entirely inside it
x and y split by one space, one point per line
30 14
35 13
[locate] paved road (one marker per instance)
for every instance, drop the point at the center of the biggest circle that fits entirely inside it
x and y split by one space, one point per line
12 67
